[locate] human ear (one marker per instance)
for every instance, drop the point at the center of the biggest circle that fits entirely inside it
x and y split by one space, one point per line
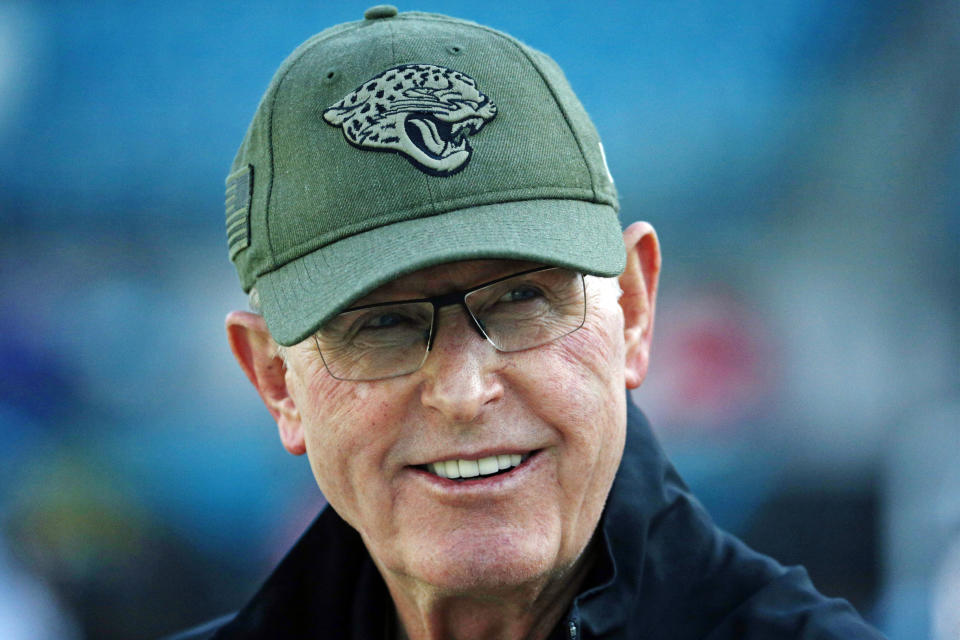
638 301
256 352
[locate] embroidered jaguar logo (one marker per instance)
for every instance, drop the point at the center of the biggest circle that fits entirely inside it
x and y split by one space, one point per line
421 111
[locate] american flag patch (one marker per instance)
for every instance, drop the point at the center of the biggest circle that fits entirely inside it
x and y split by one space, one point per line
239 192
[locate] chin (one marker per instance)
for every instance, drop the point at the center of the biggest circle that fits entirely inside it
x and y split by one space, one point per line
486 563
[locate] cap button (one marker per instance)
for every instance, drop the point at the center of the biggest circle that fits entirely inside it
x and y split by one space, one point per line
380 11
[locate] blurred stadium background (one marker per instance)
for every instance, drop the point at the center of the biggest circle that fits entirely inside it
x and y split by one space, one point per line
800 159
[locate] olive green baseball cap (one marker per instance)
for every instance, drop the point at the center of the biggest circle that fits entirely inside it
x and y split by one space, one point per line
406 140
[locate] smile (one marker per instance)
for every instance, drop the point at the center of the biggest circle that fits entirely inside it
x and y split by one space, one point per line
461 469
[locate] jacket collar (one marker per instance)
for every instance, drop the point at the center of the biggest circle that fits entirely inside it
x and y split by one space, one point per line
639 492
326 587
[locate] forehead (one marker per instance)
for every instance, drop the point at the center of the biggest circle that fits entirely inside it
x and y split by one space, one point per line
442 278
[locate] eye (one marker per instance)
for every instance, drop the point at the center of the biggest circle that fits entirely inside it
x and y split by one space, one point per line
384 321
520 294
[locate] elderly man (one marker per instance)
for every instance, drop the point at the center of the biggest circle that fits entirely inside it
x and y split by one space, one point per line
448 316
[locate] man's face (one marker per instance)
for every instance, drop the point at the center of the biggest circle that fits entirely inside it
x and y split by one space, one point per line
561 406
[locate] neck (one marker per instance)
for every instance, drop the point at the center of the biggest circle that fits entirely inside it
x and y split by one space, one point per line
528 611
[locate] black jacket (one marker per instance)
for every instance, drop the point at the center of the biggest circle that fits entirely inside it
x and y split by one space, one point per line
665 573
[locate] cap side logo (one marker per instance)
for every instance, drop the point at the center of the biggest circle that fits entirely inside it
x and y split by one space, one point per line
421 111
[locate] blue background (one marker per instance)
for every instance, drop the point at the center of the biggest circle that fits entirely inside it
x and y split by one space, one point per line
800 160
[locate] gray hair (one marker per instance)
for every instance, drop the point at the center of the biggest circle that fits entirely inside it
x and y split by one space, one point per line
608 286
253 300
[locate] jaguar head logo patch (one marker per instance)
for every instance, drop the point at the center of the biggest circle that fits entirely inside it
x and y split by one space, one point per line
421 111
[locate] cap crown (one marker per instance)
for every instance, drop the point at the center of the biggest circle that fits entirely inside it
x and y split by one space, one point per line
302 180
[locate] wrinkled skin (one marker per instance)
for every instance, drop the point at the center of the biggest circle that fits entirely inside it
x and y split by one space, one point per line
498 558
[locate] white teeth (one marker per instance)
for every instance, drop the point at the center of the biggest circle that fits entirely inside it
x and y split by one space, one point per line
472 468
488 465
452 468
468 468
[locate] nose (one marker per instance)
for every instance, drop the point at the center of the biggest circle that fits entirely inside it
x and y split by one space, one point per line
460 376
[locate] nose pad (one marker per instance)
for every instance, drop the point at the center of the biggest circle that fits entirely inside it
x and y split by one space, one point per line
455 298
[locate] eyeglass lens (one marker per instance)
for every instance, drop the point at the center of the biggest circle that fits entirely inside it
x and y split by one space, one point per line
388 340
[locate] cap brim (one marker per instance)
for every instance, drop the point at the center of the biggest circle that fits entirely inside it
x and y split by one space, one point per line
299 297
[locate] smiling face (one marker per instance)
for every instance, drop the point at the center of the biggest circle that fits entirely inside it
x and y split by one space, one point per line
560 407
377 447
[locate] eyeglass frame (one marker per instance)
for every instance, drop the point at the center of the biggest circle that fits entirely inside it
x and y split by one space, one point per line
449 299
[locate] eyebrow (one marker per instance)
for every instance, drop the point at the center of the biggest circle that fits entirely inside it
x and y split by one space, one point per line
451 297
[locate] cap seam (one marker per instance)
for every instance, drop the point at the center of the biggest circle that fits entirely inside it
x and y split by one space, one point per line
522 48
273 100
566 118
396 61
393 48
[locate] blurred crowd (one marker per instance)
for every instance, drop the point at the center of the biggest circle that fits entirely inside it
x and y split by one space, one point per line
800 160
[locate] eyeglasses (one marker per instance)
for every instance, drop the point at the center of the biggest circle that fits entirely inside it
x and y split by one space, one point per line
513 313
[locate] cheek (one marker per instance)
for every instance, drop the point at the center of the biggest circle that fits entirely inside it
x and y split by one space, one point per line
598 349
579 390
346 428
591 359
577 382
